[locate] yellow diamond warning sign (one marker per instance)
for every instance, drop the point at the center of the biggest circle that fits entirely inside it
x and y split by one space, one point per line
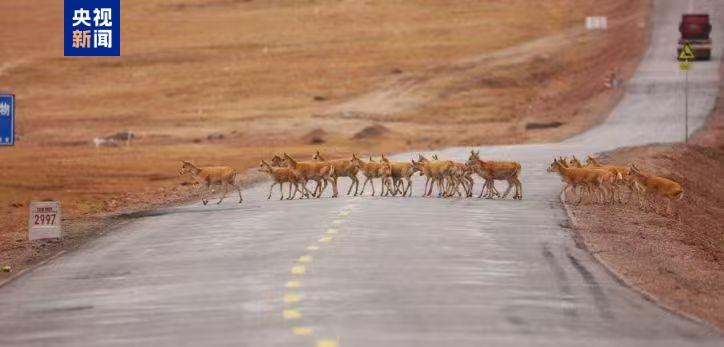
686 53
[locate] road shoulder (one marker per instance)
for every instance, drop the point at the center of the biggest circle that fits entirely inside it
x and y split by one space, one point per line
676 261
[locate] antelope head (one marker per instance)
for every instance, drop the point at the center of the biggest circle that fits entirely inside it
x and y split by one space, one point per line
418 166
474 159
555 166
356 161
265 167
277 161
187 167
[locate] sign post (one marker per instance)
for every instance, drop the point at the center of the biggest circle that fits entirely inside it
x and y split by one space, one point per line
7 119
44 222
685 55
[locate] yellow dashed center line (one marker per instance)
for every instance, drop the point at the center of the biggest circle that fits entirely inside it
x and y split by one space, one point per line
302 330
299 270
326 343
293 284
290 298
291 314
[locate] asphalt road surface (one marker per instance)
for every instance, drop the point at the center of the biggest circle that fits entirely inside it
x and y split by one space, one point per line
372 271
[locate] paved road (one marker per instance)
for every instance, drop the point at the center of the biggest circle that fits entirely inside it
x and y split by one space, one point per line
391 272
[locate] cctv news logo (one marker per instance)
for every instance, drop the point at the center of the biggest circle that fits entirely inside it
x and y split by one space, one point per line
92 28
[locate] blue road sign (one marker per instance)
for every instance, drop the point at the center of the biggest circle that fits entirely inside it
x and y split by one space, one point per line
7 119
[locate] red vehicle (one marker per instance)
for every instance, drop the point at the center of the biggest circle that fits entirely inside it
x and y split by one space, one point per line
695 30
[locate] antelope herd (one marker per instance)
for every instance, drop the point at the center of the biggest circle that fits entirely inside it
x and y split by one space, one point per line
395 178
608 183
600 183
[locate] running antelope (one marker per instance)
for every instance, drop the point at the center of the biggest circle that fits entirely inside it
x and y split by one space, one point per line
401 173
592 179
655 186
436 171
342 168
459 174
281 175
373 170
312 171
212 175
625 179
277 161
497 170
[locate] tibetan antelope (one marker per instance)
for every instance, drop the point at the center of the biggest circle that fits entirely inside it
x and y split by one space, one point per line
592 179
373 170
278 161
655 187
460 174
497 170
457 175
213 175
281 175
436 171
624 181
342 168
312 171
401 173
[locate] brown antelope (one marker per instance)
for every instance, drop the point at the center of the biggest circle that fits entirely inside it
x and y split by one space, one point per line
460 175
213 175
497 170
593 180
401 173
420 167
610 181
655 186
624 179
278 161
373 170
453 179
573 162
436 171
342 168
281 175
312 171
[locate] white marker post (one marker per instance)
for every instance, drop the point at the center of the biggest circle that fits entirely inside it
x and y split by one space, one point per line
687 53
44 222
596 23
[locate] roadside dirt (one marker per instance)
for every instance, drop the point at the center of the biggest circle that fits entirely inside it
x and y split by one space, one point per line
232 82
678 260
